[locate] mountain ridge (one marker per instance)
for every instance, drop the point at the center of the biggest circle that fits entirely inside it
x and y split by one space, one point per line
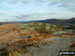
70 21
58 21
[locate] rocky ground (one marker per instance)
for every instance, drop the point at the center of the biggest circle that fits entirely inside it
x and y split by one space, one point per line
24 40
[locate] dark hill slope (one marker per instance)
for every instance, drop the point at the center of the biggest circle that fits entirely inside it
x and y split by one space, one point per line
59 21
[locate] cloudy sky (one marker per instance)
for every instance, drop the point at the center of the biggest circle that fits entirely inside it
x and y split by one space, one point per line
27 10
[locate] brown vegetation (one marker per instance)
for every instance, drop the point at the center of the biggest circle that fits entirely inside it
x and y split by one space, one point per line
11 35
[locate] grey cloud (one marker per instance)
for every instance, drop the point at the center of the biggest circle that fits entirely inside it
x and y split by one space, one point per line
30 15
21 16
19 1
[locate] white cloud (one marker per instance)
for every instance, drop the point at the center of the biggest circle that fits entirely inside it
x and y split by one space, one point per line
36 9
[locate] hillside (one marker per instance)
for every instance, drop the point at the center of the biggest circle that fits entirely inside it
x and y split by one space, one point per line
33 38
64 22
59 21
12 32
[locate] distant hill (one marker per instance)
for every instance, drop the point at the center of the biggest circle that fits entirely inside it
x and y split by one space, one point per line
71 21
59 21
50 21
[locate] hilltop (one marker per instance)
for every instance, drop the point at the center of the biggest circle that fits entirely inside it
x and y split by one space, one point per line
18 39
59 21
63 22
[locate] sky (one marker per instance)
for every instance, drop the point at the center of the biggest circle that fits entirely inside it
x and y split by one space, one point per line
29 10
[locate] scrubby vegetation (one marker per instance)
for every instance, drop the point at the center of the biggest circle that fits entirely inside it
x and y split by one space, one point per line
16 39
42 27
